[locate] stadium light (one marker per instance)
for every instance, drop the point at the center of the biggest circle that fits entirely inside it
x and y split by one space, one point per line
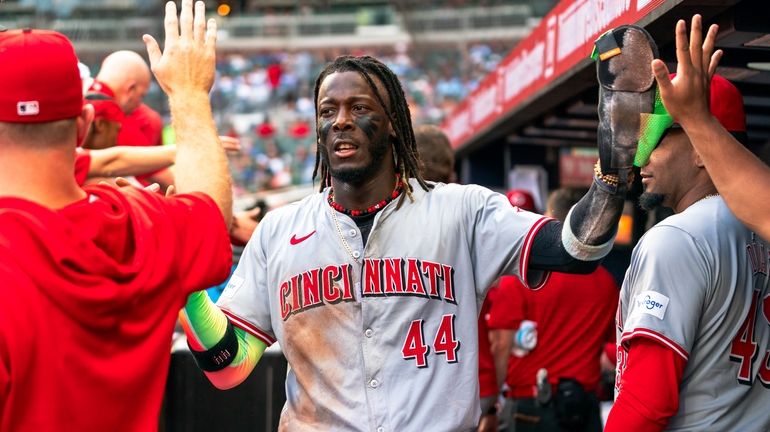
223 9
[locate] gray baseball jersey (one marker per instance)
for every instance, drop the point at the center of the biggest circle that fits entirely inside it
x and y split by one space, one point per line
381 338
698 284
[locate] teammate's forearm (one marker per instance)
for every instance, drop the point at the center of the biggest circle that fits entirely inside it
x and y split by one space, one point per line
741 178
592 223
205 326
200 160
585 237
500 342
126 160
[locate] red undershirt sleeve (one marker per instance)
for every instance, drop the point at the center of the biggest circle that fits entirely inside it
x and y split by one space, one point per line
645 404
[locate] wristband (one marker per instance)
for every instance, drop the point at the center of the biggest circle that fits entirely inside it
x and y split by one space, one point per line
220 355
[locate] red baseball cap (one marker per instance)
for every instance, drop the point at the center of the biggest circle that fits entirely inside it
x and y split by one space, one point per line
40 77
726 104
107 109
100 87
102 98
521 199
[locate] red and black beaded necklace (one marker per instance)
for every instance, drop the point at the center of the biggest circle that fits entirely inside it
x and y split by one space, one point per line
371 209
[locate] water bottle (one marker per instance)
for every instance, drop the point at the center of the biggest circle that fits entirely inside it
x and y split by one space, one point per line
525 338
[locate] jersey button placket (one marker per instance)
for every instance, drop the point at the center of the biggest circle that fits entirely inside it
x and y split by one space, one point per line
380 429
374 383
369 333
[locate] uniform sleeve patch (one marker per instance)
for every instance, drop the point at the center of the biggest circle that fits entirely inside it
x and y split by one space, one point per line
652 303
235 283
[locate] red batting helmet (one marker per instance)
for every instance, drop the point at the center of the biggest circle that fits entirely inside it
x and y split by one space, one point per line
522 199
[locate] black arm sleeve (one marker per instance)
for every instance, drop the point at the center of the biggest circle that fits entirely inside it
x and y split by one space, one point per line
548 253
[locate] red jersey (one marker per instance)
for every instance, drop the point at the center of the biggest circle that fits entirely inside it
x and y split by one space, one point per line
91 293
487 373
142 128
575 318
144 121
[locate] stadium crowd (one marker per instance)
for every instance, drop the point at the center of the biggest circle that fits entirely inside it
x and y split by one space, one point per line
265 100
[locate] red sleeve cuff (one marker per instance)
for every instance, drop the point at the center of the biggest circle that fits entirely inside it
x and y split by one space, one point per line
246 326
652 334
529 240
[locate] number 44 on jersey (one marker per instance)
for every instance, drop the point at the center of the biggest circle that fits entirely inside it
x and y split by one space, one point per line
444 342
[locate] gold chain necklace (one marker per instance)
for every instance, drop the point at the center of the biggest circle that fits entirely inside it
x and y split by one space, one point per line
342 237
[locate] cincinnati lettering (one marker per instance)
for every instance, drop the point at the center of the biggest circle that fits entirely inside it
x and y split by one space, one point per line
324 285
408 277
382 277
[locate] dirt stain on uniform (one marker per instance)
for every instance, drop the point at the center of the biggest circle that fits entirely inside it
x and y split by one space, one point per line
321 347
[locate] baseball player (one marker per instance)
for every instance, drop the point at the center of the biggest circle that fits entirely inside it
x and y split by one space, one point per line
373 286
436 154
92 278
124 76
745 189
692 322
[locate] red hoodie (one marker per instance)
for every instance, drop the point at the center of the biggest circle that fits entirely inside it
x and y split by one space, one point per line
90 295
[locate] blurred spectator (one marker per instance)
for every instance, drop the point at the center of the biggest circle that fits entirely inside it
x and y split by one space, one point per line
303 165
436 154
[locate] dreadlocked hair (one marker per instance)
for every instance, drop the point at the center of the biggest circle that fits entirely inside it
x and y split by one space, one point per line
407 157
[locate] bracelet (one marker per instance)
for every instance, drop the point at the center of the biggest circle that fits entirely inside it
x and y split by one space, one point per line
611 181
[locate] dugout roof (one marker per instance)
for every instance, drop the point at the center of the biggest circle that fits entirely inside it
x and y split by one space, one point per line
544 93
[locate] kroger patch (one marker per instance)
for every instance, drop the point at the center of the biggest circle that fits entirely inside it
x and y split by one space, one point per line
233 285
652 303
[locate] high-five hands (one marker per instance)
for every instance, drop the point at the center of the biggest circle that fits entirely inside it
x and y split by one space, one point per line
686 96
188 58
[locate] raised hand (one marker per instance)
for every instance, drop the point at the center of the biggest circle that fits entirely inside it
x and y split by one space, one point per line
187 62
185 70
686 96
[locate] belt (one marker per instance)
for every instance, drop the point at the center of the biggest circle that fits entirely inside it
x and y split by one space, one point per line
526 392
